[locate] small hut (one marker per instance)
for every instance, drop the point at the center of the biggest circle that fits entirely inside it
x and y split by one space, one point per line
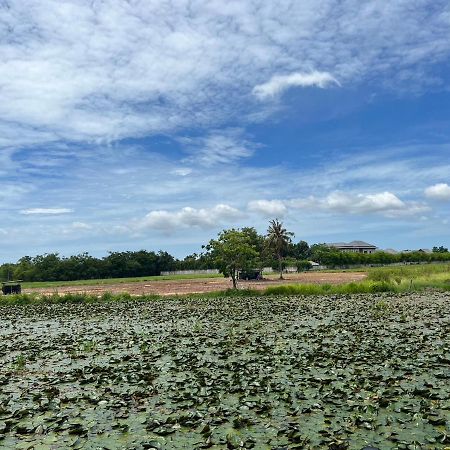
11 287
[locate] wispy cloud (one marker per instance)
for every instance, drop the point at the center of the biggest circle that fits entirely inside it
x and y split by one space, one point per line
218 147
280 83
46 211
108 70
83 81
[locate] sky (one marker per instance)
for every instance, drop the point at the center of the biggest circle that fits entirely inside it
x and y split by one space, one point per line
132 124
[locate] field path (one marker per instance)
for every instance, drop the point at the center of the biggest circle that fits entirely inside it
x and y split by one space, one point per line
200 285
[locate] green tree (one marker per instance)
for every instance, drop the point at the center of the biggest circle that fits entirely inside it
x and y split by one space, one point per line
300 250
303 265
233 251
278 239
440 249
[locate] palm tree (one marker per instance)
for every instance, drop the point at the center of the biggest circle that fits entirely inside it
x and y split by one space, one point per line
278 239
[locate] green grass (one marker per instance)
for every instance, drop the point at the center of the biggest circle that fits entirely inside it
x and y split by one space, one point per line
386 279
363 287
409 272
108 281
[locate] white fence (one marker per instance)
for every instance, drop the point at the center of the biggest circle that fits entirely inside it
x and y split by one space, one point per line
190 272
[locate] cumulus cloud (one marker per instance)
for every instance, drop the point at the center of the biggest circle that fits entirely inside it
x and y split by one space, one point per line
362 203
385 203
46 211
440 191
188 217
268 208
280 83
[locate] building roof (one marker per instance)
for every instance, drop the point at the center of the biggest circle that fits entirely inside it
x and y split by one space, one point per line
353 244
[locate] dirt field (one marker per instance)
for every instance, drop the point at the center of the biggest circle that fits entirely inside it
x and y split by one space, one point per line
199 285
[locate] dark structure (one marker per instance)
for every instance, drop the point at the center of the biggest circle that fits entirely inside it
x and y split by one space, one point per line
11 287
250 274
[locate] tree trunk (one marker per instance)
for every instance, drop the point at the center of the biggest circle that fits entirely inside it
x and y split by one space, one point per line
233 277
280 266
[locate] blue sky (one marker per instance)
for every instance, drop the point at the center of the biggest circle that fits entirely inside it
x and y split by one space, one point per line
155 124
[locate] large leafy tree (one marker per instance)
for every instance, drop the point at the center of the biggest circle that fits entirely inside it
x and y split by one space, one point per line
299 251
233 250
278 240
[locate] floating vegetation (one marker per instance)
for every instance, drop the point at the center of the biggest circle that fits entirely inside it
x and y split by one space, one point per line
333 372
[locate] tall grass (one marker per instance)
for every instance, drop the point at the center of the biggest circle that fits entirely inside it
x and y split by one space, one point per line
409 278
36 299
363 287
384 279
408 272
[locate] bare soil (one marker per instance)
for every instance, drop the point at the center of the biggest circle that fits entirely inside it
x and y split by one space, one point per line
201 285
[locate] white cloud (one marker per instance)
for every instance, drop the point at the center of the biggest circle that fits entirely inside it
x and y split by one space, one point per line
107 70
188 217
81 226
218 147
98 71
362 203
440 191
46 211
280 83
182 171
385 203
268 208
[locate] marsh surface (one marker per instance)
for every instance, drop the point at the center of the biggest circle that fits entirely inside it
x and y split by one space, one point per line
276 373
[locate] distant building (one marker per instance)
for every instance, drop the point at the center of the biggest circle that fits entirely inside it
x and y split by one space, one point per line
354 247
391 251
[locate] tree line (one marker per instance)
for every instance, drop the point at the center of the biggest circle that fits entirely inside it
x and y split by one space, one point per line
232 251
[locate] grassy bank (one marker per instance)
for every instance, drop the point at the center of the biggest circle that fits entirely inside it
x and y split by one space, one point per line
388 279
108 281
383 279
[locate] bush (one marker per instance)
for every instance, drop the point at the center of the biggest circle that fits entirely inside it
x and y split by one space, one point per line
304 265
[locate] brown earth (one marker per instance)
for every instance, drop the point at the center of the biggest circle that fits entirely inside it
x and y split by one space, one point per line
199 285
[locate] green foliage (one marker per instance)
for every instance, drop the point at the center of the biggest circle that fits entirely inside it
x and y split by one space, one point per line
365 287
233 250
299 251
334 258
52 267
303 265
88 346
400 273
387 279
273 250
331 372
440 249
20 362
278 240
